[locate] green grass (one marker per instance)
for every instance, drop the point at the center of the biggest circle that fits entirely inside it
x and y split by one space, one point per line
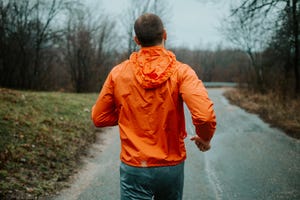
42 136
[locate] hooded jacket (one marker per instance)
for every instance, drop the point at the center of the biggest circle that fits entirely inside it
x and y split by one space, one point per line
144 96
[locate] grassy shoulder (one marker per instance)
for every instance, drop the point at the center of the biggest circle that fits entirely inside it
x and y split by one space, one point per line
280 113
42 136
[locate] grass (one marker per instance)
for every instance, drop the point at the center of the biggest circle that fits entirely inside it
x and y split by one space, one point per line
281 113
42 136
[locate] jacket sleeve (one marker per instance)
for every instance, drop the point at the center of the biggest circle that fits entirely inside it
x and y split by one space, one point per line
104 112
196 98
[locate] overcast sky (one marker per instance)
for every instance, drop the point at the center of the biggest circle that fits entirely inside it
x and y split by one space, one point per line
193 23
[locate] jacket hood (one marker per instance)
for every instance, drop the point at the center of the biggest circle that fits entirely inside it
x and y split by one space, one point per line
153 66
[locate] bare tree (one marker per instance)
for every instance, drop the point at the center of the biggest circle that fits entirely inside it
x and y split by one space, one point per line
27 32
88 46
251 37
79 48
251 9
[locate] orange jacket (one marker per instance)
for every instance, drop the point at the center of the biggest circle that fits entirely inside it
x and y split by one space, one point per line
144 96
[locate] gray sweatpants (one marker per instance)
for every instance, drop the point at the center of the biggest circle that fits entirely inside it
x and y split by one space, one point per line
158 183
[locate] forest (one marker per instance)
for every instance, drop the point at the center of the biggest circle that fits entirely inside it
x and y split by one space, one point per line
57 45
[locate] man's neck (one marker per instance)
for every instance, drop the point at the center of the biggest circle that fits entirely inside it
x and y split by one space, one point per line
158 45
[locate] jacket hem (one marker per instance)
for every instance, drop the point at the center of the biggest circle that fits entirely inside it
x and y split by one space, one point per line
145 165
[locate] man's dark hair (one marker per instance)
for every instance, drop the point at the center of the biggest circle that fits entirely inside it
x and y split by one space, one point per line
149 30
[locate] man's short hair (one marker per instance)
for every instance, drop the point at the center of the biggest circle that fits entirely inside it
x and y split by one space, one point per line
149 30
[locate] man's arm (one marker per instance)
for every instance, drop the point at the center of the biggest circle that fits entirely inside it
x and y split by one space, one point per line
104 112
196 98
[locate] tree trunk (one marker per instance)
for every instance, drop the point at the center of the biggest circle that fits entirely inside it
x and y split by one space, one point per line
296 47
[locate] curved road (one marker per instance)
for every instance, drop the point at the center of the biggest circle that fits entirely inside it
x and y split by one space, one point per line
249 160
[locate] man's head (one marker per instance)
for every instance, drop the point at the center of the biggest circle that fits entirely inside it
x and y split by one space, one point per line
149 30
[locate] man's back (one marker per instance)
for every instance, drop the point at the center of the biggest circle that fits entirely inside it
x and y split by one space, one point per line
148 92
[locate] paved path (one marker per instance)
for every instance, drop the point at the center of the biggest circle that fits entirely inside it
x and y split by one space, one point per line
249 160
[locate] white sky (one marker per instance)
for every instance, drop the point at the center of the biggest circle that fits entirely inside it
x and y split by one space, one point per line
193 23
196 23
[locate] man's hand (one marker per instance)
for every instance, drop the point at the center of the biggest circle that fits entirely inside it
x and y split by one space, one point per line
201 144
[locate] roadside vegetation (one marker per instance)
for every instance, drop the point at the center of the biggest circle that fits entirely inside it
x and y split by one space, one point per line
280 112
42 136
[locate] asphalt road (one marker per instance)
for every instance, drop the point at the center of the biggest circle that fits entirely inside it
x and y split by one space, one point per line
249 160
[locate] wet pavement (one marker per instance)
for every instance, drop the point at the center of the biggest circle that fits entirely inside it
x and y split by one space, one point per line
248 160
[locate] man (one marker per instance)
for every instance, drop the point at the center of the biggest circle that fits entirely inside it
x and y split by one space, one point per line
144 96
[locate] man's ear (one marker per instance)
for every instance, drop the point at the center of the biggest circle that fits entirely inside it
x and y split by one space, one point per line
137 40
165 34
